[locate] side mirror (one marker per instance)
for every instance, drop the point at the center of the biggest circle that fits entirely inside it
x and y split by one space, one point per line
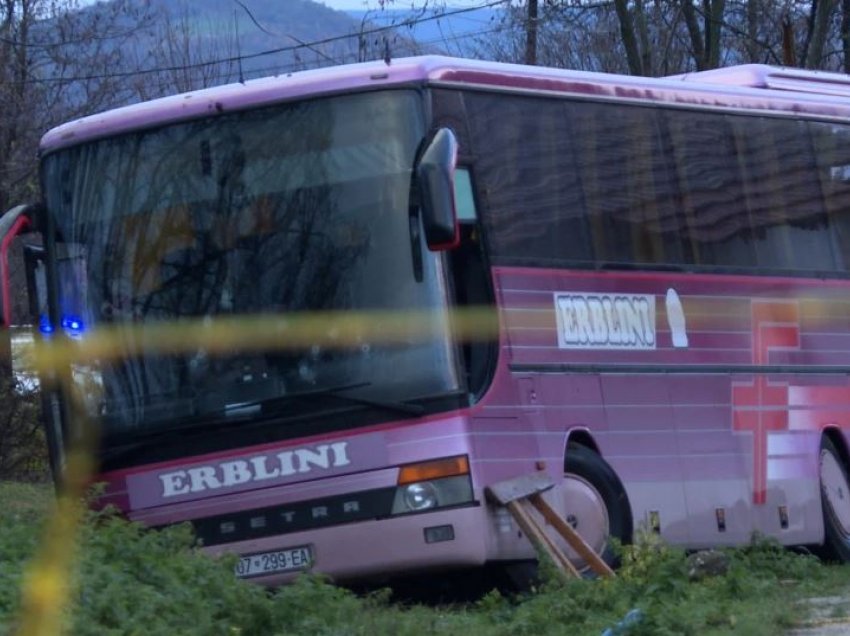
435 174
12 223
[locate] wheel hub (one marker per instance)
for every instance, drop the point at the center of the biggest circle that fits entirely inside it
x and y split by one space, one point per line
586 513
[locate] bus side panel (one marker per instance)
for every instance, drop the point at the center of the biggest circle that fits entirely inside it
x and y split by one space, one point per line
705 445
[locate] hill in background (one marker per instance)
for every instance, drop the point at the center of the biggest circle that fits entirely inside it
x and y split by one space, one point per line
275 37
450 30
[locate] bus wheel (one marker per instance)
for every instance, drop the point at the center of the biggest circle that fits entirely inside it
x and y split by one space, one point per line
835 495
595 503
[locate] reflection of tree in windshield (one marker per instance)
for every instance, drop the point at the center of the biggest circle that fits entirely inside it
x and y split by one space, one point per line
296 208
255 253
242 251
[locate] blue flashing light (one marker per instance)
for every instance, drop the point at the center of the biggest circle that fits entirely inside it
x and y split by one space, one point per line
44 325
73 325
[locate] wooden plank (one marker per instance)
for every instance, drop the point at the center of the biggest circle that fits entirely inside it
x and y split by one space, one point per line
538 537
559 555
571 536
509 490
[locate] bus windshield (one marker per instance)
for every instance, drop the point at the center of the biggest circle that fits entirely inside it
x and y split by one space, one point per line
301 207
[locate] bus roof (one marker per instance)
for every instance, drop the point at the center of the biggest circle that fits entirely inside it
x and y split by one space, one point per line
748 87
773 77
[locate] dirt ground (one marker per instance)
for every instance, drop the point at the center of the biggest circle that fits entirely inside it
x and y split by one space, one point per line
827 616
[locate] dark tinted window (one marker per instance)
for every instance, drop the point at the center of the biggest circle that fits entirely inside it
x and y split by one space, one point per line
527 159
831 144
782 195
625 184
704 169
593 183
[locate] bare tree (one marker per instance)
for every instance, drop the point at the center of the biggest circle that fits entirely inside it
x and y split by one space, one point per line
57 62
191 54
844 34
817 32
657 37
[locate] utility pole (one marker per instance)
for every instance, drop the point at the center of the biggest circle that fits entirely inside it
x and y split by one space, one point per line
531 34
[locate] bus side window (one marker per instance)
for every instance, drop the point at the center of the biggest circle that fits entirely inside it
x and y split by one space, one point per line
832 153
789 224
626 184
711 194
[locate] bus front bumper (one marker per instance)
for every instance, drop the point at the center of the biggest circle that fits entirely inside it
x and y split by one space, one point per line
446 539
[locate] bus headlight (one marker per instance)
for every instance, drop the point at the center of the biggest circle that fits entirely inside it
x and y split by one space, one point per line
420 496
434 484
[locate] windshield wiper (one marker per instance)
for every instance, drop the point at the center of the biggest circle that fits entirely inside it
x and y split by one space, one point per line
273 406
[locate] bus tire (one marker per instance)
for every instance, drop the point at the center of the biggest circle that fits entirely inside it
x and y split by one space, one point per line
596 503
835 499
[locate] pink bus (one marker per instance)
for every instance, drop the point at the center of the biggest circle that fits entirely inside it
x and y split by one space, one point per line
668 261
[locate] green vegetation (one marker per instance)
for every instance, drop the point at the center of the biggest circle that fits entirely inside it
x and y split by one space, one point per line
23 451
132 581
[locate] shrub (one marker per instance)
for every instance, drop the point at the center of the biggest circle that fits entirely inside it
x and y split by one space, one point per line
23 450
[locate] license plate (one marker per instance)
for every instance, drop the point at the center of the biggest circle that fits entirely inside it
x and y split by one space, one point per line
289 560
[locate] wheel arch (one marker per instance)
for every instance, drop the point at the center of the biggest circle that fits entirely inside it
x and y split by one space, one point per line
580 436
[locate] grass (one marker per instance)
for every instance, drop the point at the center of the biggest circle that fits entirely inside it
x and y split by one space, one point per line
25 501
133 581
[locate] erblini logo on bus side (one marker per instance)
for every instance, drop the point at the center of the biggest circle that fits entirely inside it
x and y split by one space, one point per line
253 469
605 321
